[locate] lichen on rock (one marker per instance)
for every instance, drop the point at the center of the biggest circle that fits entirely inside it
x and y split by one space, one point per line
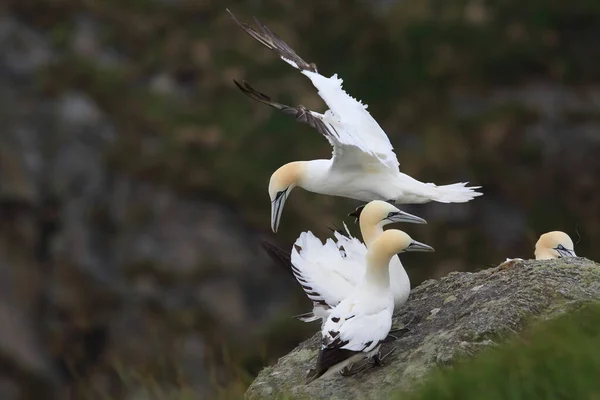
454 316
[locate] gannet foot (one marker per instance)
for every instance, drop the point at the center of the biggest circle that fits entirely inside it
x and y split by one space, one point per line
378 358
346 372
397 332
411 320
390 337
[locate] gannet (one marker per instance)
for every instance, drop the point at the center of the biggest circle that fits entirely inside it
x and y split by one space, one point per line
358 325
329 272
363 165
555 244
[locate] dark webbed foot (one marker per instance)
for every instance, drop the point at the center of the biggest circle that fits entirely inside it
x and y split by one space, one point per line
378 358
353 370
397 332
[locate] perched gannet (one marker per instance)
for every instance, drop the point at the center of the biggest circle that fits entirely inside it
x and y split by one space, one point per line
329 272
358 325
363 166
555 244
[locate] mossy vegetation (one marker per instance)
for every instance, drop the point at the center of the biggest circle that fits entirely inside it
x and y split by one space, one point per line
557 359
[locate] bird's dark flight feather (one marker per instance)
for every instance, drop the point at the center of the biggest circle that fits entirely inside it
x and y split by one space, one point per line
301 113
273 42
278 255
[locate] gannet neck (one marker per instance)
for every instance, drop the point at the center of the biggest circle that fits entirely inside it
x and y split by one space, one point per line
377 273
315 176
379 255
373 218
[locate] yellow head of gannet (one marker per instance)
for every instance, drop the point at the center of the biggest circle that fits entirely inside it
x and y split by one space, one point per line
555 244
377 214
281 184
360 323
391 242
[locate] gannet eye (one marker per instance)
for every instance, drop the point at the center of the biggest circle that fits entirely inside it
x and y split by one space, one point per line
392 214
560 247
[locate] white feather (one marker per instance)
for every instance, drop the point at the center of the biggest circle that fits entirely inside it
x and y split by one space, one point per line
332 271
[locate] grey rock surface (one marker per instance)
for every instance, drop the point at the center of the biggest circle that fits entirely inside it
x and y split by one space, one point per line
459 314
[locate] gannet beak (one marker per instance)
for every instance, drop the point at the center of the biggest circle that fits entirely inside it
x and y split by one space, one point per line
277 209
564 252
401 216
418 246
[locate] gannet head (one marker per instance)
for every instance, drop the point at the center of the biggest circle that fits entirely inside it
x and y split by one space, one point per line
394 241
281 184
381 213
555 244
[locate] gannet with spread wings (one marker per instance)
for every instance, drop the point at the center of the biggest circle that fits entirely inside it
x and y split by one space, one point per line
363 167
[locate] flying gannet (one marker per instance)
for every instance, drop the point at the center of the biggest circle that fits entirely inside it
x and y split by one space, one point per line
329 272
555 244
363 165
358 325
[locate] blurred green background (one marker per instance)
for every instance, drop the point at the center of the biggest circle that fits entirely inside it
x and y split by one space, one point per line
133 190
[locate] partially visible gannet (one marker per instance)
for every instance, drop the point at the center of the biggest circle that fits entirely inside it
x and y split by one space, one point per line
363 166
358 325
329 272
555 244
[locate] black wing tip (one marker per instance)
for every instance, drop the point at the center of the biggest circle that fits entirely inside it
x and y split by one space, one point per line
273 42
327 359
336 228
278 255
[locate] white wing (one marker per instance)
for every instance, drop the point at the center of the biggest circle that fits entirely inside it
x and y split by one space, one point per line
349 245
326 274
357 139
358 135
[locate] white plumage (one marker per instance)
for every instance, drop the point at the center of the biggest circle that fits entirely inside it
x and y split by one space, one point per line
363 166
329 272
358 325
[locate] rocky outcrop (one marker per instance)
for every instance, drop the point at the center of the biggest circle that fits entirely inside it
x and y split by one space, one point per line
453 316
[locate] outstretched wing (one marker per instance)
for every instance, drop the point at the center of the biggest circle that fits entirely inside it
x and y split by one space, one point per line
362 141
326 275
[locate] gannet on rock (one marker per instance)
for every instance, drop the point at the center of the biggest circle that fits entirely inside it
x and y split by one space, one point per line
363 166
329 272
555 244
550 245
358 325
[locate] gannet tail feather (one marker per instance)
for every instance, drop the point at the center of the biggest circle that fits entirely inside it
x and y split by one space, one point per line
278 255
273 42
454 193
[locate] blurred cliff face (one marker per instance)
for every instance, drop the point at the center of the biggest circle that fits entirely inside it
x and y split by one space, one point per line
133 174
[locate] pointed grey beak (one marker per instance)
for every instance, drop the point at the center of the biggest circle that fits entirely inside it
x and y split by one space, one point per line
564 252
277 209
418 246
401 216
